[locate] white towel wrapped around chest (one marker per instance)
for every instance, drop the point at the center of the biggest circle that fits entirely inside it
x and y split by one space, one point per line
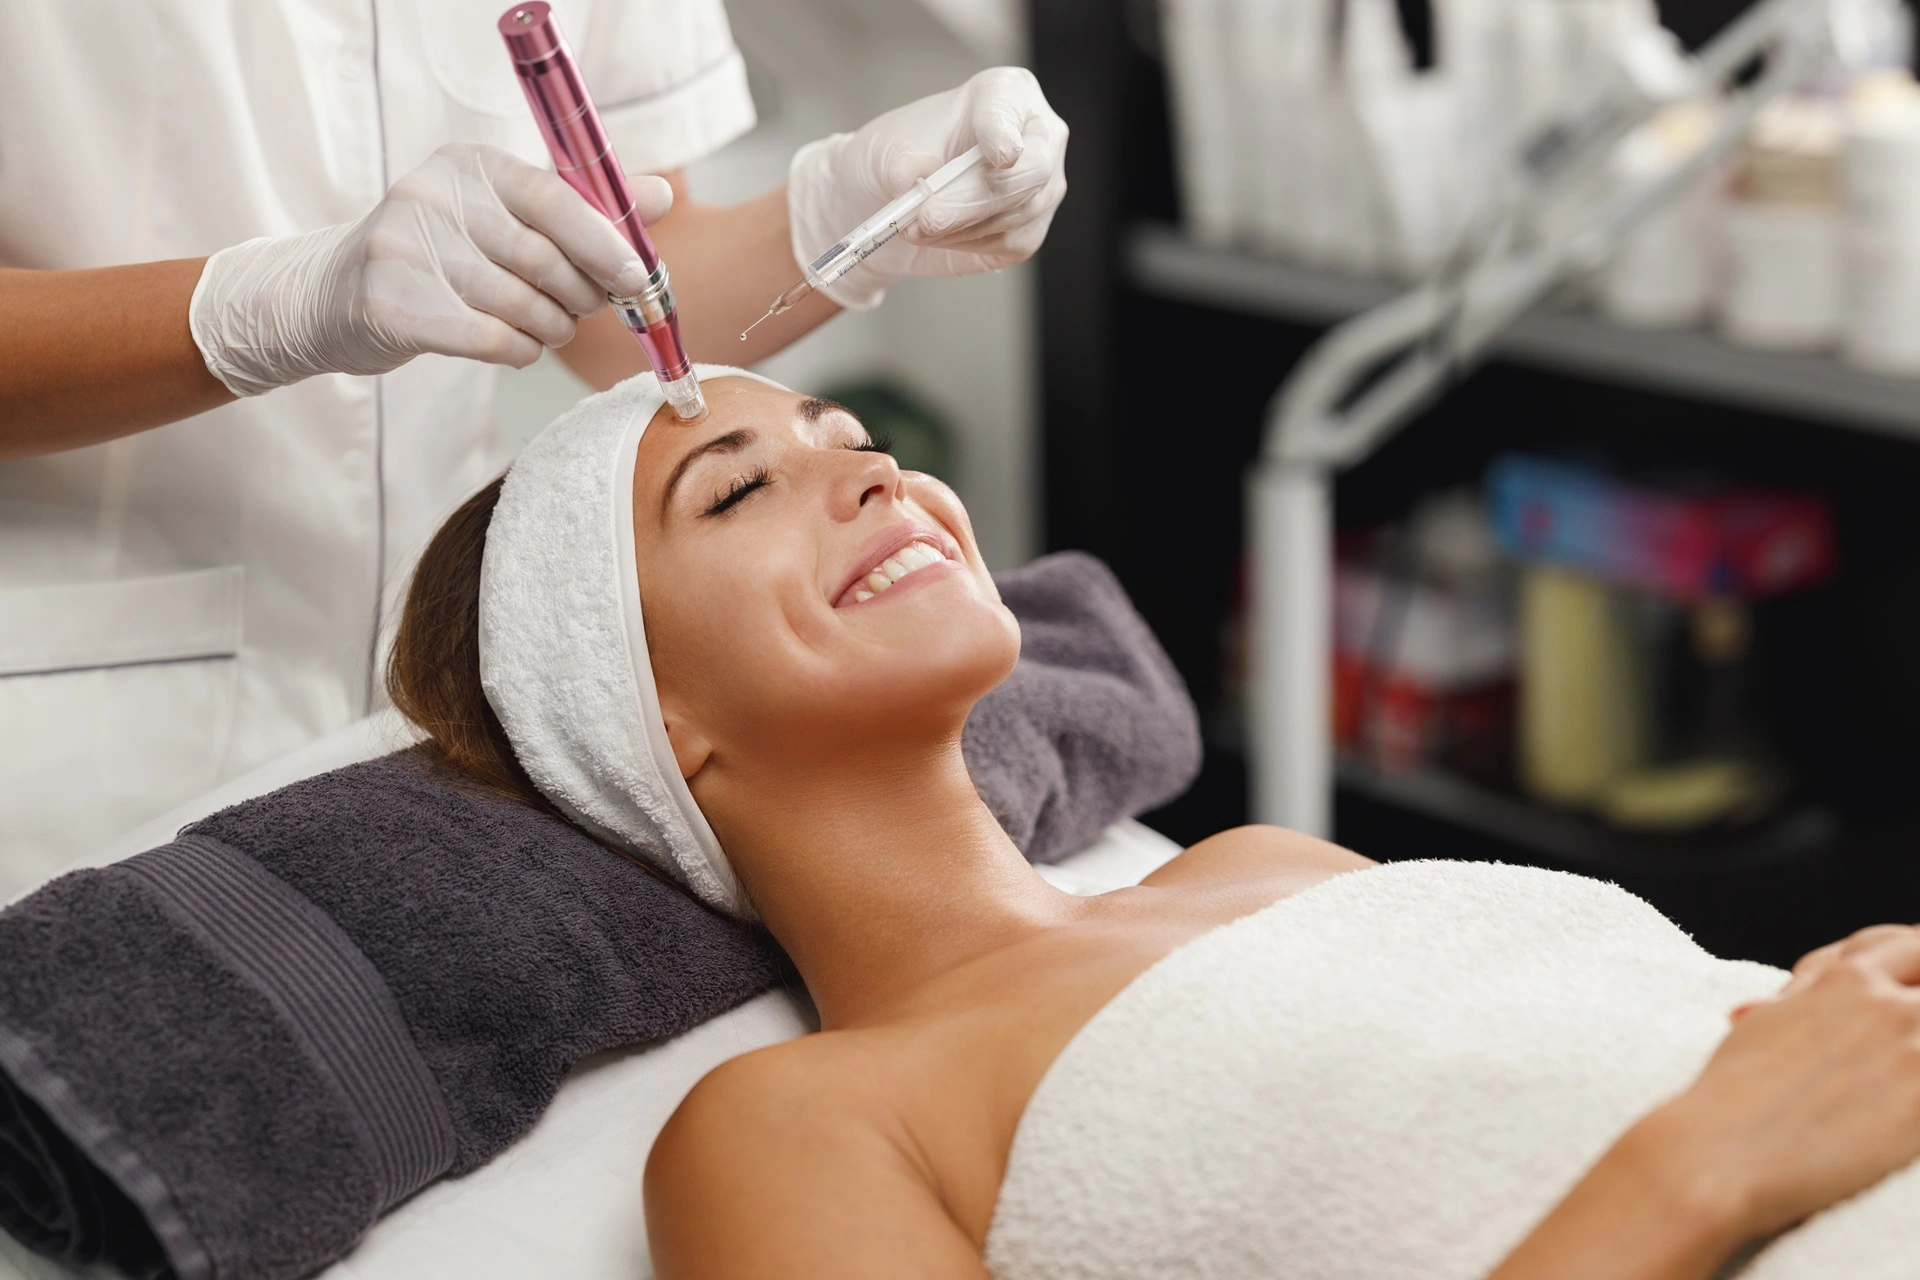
1393 1075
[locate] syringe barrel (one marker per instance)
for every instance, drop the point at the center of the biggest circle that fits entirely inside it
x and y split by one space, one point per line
866 239
578 142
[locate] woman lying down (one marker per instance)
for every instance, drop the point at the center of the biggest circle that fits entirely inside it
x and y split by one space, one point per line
1273 1058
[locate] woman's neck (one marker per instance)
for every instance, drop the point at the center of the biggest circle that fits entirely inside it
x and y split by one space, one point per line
880 874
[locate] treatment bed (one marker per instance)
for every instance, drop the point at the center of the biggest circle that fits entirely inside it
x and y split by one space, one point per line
566 1198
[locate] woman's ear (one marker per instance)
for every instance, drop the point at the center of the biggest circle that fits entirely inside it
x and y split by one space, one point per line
691 750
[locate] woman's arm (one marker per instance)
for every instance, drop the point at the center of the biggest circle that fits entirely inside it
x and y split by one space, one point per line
726 263
1812 1098
1647 1211
91 355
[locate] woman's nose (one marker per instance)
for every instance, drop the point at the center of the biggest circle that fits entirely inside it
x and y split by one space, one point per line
864 478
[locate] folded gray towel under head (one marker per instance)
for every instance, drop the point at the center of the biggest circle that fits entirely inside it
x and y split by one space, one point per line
228 1056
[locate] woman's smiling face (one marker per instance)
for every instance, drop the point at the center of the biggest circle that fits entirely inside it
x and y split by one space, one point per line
801 591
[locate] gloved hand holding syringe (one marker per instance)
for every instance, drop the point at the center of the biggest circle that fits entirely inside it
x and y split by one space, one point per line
860 243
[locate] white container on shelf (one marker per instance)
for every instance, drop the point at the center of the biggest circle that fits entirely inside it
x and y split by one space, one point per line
1666 273
1198 36
1784 275
1413 128
1281 81
1345 223
1783 283
1880 328
1339 217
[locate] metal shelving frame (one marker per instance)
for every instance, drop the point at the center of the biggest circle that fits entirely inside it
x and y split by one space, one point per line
1693 363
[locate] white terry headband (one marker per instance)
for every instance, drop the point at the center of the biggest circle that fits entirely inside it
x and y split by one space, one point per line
563 648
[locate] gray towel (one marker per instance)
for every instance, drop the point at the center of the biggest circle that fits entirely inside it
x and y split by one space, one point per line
228 1056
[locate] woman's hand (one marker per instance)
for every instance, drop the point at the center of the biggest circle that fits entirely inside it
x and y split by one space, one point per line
1815 1095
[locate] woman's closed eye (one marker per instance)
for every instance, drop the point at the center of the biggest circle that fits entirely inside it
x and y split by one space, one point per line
742 488
745 486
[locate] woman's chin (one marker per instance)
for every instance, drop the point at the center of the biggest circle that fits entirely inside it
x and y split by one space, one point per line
933 646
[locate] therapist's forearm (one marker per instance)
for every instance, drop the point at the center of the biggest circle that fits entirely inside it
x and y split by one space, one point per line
727 263
92 355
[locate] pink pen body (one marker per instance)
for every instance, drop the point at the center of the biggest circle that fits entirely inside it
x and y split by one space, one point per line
583 156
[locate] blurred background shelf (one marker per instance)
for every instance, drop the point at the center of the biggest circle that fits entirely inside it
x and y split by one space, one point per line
1158 359
1161 261
1567 840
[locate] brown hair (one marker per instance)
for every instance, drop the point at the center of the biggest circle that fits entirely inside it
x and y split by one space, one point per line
433 671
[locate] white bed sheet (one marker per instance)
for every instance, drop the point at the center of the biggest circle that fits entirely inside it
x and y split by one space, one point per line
565 1199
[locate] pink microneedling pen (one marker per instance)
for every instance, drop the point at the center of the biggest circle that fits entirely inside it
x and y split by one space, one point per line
583 155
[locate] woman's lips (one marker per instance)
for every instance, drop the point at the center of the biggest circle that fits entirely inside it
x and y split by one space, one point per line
915 554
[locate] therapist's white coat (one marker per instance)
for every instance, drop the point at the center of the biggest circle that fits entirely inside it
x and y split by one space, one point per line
181 605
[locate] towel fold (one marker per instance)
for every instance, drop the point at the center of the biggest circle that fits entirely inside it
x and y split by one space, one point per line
1093 723
1392 1076
228 1056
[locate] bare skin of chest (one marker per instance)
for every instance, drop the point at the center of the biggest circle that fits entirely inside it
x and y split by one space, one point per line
945 1082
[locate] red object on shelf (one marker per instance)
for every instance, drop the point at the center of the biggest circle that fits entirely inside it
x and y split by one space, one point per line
1394 720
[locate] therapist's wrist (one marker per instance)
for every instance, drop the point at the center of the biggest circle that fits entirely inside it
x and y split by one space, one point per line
250 315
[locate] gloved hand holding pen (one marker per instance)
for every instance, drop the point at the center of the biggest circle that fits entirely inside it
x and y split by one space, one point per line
991 218
476 253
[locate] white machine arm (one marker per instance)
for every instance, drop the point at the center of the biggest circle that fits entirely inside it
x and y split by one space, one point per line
1370 375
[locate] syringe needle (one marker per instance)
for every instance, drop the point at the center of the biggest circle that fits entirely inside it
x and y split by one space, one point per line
756 324
781 305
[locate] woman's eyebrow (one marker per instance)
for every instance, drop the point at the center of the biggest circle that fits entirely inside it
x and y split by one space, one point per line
814 408
732 442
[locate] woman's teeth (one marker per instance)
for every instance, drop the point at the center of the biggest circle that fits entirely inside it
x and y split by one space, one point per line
915 555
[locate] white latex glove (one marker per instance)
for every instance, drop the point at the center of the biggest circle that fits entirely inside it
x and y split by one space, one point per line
993 217
476 253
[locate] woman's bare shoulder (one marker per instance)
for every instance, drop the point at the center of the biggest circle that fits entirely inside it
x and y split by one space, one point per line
785 1161
763 1111
747 1092
1257 852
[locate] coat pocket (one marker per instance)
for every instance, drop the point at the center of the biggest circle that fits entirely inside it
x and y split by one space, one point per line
84 626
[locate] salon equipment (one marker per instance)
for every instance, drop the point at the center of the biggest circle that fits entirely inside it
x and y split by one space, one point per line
864 240
583 155
1367 377
504 943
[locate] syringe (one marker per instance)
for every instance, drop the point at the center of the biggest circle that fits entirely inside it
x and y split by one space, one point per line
859 244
